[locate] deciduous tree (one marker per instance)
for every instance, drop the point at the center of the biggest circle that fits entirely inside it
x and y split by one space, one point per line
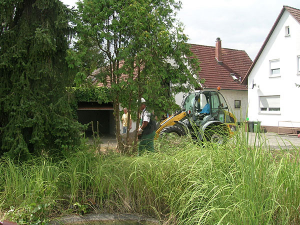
145 51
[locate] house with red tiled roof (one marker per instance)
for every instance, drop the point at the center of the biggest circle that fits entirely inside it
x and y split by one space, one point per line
224 68
221 67
274 77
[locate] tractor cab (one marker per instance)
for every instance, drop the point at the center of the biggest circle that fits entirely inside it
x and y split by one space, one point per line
204 106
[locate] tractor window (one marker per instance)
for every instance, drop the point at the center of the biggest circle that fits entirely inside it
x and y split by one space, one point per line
189 102
216 107
215 102
201 101
223 102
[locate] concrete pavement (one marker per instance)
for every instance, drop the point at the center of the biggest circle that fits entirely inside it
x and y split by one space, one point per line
273 140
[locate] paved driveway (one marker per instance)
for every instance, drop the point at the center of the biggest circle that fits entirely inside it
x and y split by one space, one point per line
274 140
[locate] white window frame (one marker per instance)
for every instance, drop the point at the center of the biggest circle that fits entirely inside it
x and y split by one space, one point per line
274 68
237 104
287 31
269 104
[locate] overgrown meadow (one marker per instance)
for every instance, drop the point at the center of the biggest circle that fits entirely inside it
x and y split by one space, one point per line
182 183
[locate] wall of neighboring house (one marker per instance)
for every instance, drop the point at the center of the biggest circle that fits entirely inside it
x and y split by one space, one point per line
179 97
272 84
237 102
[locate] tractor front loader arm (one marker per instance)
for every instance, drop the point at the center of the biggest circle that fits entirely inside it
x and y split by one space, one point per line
171 121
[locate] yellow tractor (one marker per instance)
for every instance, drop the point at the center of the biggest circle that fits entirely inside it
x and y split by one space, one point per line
204 114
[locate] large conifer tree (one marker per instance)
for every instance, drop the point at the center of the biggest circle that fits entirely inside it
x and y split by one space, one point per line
35 116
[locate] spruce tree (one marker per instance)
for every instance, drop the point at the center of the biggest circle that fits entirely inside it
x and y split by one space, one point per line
35 115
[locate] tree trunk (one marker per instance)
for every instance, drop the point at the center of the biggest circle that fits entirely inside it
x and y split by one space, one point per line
135 148
118 130
128 144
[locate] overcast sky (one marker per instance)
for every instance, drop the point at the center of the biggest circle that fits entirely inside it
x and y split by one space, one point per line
242 25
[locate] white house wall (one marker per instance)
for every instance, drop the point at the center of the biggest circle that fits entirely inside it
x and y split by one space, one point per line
179 98
286 49
231 96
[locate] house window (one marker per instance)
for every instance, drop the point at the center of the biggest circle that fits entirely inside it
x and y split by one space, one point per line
287 31
237 104
275 68
269 103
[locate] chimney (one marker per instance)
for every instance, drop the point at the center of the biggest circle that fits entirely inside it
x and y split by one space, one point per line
219 51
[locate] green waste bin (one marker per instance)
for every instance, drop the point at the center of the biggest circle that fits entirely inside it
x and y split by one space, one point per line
250 126
256 126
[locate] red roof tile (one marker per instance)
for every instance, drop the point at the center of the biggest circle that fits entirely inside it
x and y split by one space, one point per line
294 12
235 62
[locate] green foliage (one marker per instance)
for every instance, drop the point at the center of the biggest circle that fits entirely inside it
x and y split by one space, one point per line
80 208
91 94
85 57
29 214
35 115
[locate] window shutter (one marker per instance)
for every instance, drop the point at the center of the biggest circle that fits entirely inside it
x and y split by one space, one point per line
270 101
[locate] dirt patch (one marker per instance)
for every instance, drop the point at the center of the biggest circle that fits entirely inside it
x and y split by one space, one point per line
76 219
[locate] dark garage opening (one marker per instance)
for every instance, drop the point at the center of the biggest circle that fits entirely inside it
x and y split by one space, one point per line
99 117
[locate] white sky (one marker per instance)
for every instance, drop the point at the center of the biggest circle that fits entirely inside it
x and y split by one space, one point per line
241 24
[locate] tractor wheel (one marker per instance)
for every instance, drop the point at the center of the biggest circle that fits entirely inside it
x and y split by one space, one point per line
174 130
216 134
171 136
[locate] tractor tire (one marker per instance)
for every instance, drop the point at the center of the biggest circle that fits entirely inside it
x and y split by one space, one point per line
172 136
216 135
175 130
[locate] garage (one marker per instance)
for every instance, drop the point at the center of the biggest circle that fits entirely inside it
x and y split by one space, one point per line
99 117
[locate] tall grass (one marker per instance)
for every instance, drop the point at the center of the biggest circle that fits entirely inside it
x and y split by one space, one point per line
182 183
